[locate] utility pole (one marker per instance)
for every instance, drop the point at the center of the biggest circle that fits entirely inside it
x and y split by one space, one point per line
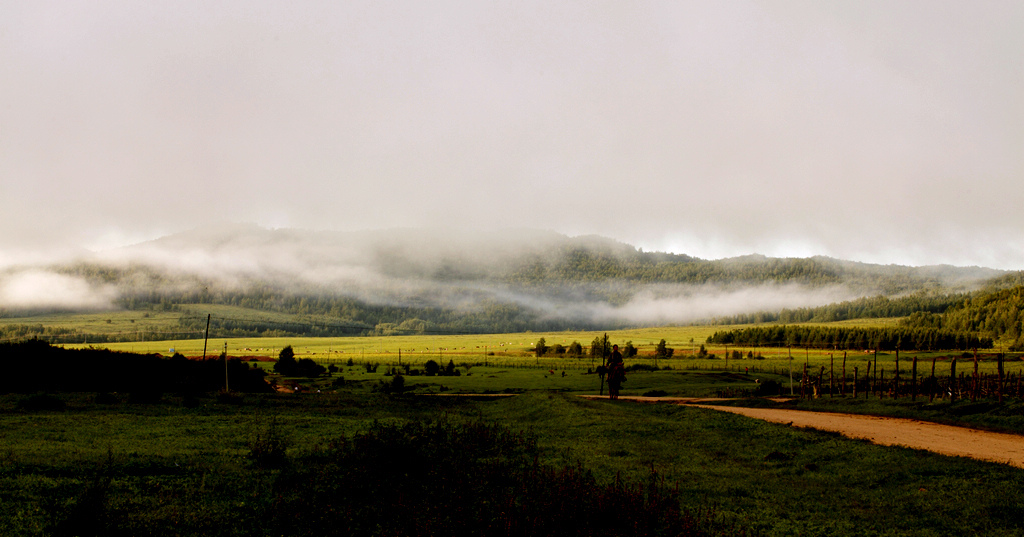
206 338
226 387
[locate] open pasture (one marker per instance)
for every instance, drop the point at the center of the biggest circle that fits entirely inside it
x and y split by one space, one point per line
516 351
172 468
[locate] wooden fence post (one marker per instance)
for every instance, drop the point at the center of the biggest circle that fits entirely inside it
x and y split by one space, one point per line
842 388
831 373
867 381
999 358
896 377
952 380
933 383
975 389
913 380
875 379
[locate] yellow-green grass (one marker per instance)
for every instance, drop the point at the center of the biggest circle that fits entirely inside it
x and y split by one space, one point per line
103 323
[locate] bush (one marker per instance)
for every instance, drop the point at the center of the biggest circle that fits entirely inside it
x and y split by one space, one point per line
768 388
42 401
267 445
145 396
107 398
229 398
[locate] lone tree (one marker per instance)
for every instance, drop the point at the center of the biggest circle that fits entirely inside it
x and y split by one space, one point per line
541 348
662 352
286 364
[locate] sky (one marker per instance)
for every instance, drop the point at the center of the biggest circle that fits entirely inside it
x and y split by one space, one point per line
876 131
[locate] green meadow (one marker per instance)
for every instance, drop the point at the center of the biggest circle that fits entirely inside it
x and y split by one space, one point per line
197 464
189 467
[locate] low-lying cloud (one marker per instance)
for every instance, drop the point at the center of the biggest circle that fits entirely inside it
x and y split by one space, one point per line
461 271
35 289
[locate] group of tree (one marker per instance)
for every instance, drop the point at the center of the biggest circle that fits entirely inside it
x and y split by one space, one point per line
842 338
875 307
288 366
35 365
573 350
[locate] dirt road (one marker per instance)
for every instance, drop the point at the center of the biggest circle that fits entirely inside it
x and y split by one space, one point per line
944 439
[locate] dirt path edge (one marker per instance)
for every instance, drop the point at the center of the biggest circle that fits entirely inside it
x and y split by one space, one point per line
945 439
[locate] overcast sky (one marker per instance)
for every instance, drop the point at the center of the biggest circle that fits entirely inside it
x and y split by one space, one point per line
888 132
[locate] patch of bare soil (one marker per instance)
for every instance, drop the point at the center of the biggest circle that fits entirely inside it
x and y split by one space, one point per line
944 439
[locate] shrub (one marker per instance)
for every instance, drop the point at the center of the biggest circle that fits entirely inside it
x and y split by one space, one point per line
145 396
229 398
267 445
768 387
42 401
107 398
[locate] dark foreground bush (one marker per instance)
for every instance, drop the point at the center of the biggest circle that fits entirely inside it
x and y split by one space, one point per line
768 388
42 401
470 479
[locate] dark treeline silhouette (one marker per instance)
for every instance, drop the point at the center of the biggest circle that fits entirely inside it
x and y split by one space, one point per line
909 339
34 365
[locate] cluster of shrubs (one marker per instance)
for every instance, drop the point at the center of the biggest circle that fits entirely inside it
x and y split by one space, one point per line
430 369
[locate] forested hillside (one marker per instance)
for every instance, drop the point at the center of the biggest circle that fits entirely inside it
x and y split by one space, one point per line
404 281
996 314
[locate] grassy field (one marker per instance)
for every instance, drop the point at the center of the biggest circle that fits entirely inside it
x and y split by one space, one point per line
185 466
514 351
176 468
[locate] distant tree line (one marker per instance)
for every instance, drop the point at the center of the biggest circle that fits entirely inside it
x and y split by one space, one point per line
876 307
850 338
